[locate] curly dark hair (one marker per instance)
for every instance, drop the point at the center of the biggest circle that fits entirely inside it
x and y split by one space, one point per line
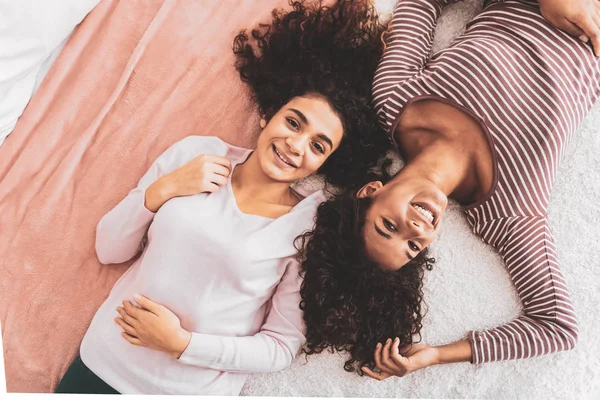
327 51
350 303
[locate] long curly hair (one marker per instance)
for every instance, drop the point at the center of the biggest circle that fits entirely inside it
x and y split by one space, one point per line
328 51
349 302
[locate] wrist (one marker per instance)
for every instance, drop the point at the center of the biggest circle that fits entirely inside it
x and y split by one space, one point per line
451 353
181 343
438 356
157 194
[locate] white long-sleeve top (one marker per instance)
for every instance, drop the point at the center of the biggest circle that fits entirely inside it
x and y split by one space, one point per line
230 277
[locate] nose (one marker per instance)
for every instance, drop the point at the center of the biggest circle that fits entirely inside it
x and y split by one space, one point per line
296 144
416 227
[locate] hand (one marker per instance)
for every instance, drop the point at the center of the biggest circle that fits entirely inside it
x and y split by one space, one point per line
394 361
580 18
204 174
153 326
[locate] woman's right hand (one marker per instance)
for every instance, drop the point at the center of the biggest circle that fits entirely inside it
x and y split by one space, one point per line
204 174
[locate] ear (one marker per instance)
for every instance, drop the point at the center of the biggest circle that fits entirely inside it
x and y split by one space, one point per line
369 189
263 123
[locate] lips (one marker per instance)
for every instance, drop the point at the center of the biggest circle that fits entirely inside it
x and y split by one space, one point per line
427 212
283 158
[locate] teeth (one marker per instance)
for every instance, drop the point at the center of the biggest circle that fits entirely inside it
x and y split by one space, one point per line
285 160
425 212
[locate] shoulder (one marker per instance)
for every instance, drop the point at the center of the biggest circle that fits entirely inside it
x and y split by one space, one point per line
194 145
304 212
201 145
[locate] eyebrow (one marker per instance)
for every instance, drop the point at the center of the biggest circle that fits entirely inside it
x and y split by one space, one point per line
385 235
382 233
321 136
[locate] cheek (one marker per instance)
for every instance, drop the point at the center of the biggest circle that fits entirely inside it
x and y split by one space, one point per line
313 162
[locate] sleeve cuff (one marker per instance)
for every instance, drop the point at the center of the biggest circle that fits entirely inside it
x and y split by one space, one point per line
472 337
203 350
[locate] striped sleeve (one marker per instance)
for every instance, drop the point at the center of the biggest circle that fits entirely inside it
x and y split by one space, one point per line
408 42
548 323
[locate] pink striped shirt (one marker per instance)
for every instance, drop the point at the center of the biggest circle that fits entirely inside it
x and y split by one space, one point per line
530 86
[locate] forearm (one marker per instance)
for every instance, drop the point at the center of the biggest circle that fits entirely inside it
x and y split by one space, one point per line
455 352
548 322
250 354
120 232
158 193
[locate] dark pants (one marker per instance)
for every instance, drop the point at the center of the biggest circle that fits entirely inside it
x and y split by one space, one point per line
79 379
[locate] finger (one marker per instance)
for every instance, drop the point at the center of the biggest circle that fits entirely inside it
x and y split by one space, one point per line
132 310
219 180
212 188
220 170
387 363
126 317
218 160
565 25
396 357
378 351
375 375
132 339
586 23
126 327
596 18
146 303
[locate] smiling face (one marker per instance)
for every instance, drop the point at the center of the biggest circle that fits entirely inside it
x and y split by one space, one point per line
403 219
298 139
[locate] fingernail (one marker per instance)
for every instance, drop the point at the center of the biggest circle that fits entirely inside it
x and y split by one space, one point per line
387 341
137 296
378 345
584 38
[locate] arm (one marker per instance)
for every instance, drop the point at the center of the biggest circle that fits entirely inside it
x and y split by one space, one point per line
120 232
271 349
408 45
547 325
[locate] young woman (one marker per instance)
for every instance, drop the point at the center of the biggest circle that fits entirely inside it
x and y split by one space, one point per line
214 293
485 123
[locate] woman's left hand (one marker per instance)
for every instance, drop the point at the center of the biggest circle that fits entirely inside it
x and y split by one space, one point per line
580 18
394 361
153 326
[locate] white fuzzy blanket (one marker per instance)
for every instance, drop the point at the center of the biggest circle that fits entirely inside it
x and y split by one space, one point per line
469 288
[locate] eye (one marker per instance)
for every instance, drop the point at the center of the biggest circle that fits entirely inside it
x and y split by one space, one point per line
319 147
389 226
293 123
413 246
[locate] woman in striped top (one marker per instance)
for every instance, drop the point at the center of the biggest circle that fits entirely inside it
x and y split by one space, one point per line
484 122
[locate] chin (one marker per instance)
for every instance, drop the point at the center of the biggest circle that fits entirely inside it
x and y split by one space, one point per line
277 175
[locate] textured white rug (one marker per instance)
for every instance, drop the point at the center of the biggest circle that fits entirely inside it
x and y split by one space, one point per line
470 289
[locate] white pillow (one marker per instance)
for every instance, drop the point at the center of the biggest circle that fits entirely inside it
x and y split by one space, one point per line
32 33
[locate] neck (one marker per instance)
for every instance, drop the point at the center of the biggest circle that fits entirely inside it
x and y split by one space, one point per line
444 165
252 185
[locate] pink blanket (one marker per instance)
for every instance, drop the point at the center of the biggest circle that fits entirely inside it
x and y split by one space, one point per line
135 77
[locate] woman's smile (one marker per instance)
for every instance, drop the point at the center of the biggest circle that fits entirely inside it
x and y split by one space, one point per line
282 158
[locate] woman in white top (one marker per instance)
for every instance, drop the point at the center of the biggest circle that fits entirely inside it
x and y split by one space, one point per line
214 294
